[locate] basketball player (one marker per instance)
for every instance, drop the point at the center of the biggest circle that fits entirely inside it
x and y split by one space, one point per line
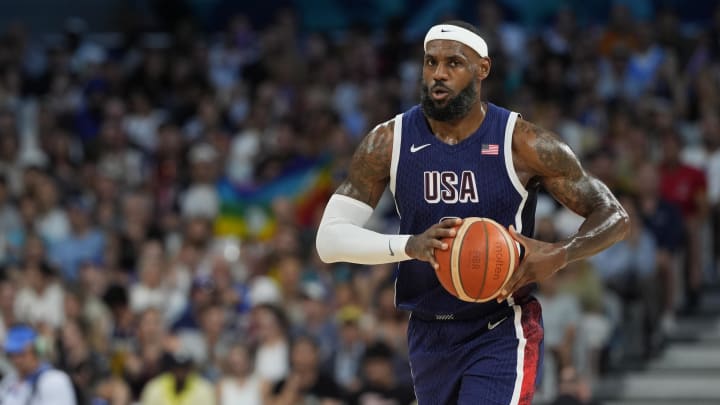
455 156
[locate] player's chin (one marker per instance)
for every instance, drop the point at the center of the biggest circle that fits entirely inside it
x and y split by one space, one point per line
441 103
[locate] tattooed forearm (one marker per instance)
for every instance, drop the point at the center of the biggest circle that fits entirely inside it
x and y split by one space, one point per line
605 219
369 171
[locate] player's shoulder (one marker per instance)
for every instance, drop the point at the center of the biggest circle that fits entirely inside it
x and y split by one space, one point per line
384 129
526 130
528 135
538 150
379 140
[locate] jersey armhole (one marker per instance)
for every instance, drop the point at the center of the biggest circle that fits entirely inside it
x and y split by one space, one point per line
397 139
510 167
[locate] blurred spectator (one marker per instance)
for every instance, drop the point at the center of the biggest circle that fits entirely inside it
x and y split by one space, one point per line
111 391
664 220
317 322
645 61
142 122
599 316
288 269
36 381
345 362
618 31
91 309
228 275
380 384
629 270
202 294
40 299
154 289
711 136
305 382
561 320
117 158
390 324
269 330
63 152
206 344
85 241
143 359
10 164
686 187
614 83
8 291
574 390
179 385
27 208
78 360
135 228
263 290
117 301
239 384
52 223
9 218
34 252
84 52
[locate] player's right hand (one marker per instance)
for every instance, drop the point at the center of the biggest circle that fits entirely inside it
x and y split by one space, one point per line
422 246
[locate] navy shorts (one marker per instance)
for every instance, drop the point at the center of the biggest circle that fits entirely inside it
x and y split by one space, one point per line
491 360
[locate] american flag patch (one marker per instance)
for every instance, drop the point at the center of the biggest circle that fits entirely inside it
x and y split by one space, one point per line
490 149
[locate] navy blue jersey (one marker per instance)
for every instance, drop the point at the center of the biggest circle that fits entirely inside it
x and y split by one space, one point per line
431 180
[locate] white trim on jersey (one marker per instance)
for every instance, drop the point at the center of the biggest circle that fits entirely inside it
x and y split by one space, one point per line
510 167
520 364
397 141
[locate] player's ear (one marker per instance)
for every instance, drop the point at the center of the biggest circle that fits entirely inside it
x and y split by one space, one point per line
484 65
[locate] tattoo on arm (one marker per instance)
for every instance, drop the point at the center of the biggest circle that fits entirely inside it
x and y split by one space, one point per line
560 172
369 171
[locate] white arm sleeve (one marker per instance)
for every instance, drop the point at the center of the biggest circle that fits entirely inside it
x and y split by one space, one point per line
342 238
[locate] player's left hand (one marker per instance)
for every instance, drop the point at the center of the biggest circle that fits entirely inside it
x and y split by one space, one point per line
541 261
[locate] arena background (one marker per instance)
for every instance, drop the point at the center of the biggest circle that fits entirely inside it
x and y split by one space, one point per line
163 166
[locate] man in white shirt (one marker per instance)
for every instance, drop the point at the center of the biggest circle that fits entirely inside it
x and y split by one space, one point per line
34 381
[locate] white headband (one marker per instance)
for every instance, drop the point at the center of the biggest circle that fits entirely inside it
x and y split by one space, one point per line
459 34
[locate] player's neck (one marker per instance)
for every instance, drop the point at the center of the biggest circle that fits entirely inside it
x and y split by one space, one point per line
453 132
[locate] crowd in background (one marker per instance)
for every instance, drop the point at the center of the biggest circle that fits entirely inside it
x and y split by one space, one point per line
111 152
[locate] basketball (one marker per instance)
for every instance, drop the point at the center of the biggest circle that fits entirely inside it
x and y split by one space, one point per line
479 260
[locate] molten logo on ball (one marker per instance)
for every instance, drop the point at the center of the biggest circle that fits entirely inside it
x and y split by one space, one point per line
479 260
499 261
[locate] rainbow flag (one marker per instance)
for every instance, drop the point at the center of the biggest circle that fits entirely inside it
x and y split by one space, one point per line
245 210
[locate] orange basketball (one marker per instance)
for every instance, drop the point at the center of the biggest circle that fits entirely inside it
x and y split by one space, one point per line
479 260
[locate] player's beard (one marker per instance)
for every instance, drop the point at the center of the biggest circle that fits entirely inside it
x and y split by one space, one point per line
455 108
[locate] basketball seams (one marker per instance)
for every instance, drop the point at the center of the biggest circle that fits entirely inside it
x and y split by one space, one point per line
455 257
487 257
454 262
